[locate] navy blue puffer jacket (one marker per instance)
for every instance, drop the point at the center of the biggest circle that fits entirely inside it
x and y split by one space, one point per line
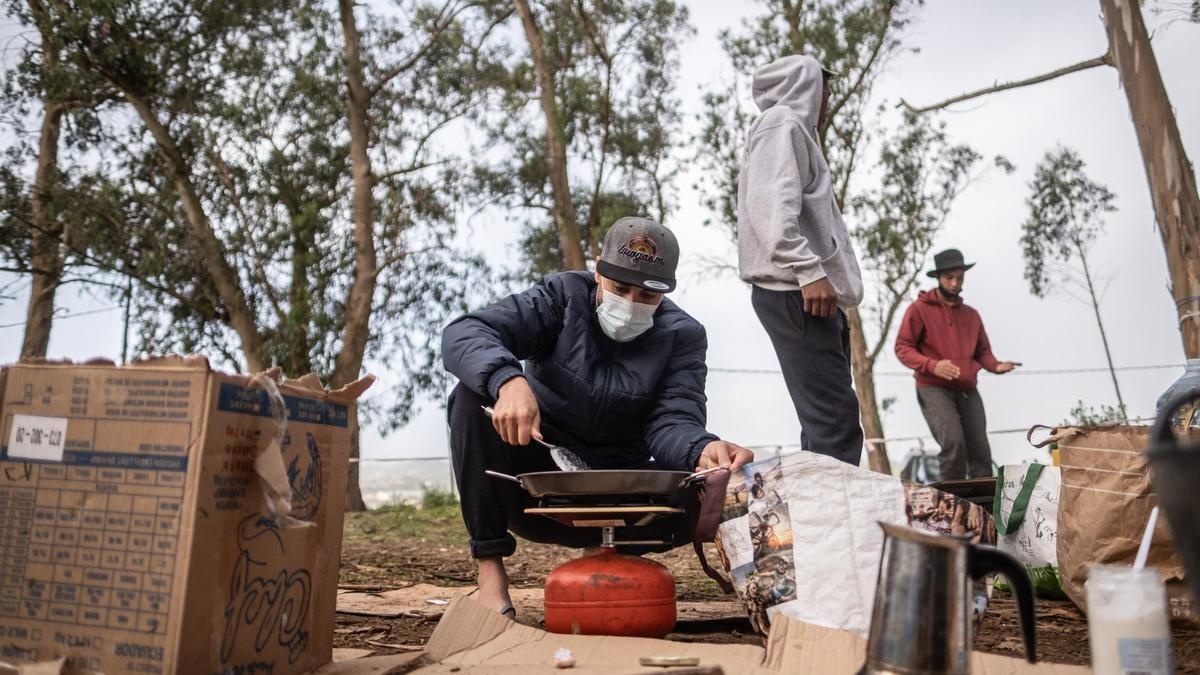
616 404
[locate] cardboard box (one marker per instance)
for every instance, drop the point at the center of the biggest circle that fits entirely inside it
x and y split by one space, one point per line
471 639
167 518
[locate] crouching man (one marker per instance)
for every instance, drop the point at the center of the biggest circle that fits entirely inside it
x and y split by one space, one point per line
599 363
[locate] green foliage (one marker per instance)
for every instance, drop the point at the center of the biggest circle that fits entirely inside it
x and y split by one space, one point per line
854 38
1066 210
433 497
1066 216
614 66
1089 416
921 174
39 91
253 95
442 524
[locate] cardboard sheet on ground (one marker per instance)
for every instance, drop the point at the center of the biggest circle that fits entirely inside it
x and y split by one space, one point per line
415 601
471 639
371 665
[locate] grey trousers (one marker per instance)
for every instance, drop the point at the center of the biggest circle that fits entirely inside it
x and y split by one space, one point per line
959 425
814 355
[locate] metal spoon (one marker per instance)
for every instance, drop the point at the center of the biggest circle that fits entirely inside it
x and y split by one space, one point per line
564 458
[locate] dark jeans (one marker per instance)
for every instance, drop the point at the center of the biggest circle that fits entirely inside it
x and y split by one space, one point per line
959 425
814 354
493 507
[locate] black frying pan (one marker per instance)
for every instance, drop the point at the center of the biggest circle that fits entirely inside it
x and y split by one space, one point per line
603 482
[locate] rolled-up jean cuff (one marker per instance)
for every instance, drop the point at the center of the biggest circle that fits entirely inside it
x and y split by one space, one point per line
490 548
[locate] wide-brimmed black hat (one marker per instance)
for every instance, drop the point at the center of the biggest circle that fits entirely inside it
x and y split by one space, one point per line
950 259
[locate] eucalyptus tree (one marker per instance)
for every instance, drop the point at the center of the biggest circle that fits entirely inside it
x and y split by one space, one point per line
298 199
1066 217
584 125
37 209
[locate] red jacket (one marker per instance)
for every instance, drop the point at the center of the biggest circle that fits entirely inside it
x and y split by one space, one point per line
933 330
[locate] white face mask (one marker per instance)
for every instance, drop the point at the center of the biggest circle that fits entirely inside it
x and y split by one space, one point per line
623 320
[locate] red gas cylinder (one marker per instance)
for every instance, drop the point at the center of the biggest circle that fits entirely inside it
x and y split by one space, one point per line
611 594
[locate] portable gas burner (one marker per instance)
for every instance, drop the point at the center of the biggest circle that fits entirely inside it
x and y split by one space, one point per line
609 593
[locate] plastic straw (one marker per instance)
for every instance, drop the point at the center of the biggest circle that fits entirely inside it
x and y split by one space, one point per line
1144 550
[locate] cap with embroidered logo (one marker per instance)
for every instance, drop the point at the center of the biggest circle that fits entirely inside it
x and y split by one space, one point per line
640 252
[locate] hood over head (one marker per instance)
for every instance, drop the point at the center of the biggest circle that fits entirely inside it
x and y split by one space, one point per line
793 81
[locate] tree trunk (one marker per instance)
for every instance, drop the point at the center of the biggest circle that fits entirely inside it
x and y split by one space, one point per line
348 363
1087 277
240 317
1172 181
354 499
864 387
47 259
556 150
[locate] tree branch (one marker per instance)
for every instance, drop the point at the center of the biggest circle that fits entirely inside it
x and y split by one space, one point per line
412 168
1102 60
880 40
440 26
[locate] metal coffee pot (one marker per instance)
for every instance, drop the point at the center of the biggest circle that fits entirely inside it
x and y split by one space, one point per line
922 617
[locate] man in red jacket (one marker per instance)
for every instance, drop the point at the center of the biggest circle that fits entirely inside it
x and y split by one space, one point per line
943 341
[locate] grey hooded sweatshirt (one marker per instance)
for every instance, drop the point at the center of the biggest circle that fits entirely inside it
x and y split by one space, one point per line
790 232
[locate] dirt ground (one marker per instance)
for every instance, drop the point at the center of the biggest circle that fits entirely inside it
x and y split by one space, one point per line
401 546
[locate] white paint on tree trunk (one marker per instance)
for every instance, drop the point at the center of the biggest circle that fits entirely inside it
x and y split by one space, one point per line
1170 164
1127 24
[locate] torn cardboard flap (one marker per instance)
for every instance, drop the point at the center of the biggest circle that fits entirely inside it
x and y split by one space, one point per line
268 463
472 639
352 391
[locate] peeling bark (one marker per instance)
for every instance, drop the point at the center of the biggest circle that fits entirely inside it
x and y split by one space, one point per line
1168 171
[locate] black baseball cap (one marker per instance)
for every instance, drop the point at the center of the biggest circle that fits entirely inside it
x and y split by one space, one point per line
640 252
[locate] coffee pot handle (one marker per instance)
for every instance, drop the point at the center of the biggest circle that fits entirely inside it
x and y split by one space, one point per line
983 560
1161 433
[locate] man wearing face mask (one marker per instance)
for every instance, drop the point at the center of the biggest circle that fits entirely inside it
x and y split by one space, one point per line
599 363
942 339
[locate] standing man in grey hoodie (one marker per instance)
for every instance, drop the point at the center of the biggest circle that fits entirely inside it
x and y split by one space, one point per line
793 247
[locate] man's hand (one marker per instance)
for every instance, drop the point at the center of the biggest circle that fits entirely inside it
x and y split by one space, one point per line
517 417
717 453
946 370
1005 366
819 298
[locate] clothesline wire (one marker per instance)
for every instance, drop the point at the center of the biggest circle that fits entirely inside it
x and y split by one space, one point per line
764 446
58 317
1018 371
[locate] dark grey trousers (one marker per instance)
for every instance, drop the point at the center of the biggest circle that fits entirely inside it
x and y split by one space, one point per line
814 355
959 425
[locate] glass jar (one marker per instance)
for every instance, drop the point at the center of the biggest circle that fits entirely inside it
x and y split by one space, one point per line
1128 628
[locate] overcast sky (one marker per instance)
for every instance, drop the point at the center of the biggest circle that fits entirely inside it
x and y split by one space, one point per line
961 46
